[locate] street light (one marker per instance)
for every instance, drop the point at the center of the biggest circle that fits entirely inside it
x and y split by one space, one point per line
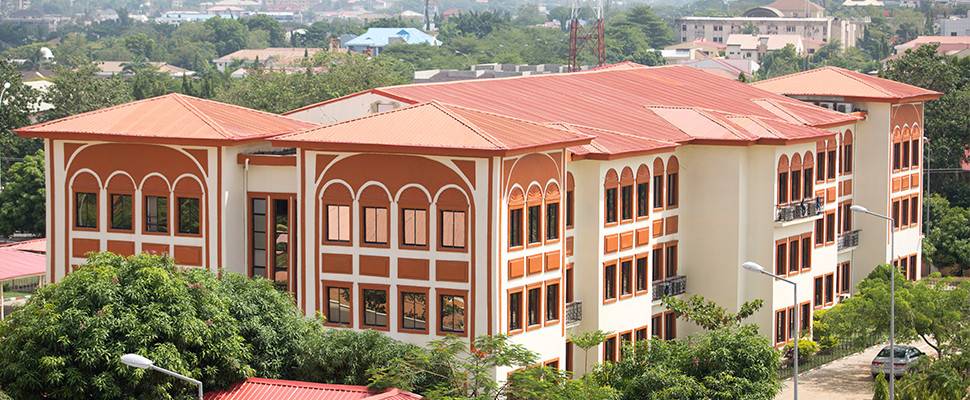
892 296
755 267
140 362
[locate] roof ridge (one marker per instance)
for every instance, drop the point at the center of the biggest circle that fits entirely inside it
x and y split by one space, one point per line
201 115
362 117
625 134
777 105
843 71
597 70
239 107
756 83
468 124
717 120
92 112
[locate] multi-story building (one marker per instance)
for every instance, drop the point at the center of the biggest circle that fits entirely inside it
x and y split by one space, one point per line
536 207
954 25
799 17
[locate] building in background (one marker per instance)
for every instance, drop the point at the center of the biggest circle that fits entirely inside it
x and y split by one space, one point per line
725 68
534 206
957 46
112 68
954 25
270 57
754 47
375 39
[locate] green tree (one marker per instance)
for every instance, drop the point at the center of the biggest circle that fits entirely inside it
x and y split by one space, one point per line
346 357
79 90
475 23
22 200
18 101
147 81
947 244
779 62
141 46
708 314
272 27
642 18
877 38
587 341
881 388
228 35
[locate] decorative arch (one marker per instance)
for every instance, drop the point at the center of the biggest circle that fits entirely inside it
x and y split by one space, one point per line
673 165
626 177
336 210
155 184
552 192
612 179
783 164
658 167
643 174
570 182
535 195
516 196
796 162
453 210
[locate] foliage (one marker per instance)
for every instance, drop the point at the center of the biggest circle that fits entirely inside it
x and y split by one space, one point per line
939 379
587 341
821 332
725 363
778 63
346 357
933 310
947 244
273 29
547 383
475 23
18 101
881 388
806 348
708 314
79 90
642 18
22 200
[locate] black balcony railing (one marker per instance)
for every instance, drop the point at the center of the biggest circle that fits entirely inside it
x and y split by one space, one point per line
804 209
670 287
849 239
574 313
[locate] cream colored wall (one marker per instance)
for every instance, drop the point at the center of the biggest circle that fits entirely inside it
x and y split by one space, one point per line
872 189
342 110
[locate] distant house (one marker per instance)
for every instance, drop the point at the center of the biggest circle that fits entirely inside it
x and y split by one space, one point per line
710 49
958 46
863 3
754 47
270 57
111 68
731 69
954 25
375 39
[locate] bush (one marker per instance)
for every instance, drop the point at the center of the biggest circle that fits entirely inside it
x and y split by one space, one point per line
806 348
65 343
822 333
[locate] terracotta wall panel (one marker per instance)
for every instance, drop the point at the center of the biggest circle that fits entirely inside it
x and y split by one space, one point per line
451 271
153 248
553 261
611 243
626 240
412 268
672 223
375 266
121 247
658 228
81 247
569 245
516 268
534 264
188 255
643 236
337 263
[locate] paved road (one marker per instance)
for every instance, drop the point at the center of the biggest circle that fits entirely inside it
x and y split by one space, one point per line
845 379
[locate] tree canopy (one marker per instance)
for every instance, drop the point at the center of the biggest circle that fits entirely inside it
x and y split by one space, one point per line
23 200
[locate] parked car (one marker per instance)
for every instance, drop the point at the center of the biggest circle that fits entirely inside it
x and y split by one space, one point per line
905 357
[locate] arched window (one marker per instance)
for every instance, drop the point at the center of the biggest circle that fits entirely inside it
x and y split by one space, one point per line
121 190
570 200
783 180
897 149
820 156
643 191
453 210
847 152
916 136
155 192
375 205
413 206
337 212
85 188
188 207
552 212
905 158
795 173
533 227
808 177
626 194
610 200
673 182
831 157
516 205
658 183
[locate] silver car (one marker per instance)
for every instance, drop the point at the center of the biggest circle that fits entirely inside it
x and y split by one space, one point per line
905 357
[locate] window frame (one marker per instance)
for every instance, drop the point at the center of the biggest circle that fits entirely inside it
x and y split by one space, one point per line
529 289
454 230
404 229
643 270
556 306
77 211
362 288
111 212
403 290
628 279
440 294
339 209
146 226
516 219
378 230
610 281
325 293
514 330
551 231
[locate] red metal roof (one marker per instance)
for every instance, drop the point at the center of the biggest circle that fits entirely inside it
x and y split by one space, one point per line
20 264
172 117
439 128
616 98
32 245
840 82
275 389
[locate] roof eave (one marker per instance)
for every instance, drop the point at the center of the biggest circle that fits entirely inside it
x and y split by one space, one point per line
426 150
89 136
621 155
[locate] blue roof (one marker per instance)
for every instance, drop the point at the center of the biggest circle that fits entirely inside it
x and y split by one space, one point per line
379 37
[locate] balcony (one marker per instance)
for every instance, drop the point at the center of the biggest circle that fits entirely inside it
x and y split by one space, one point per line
804 209
670 287
848 240
574 313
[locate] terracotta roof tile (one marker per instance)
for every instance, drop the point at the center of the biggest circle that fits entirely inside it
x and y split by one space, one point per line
275 389
437 127
840 82
171 117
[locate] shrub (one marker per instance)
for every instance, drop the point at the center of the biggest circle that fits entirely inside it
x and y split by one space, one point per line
806 348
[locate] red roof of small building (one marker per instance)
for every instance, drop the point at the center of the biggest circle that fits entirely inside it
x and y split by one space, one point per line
16 264
169 118
275 389
618 98
840 82
33 245
436 128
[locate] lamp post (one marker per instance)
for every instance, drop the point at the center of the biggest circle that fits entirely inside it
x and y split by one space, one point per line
755 267
137 361
892 296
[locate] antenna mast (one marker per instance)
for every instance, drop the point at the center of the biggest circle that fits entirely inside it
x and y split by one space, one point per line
580 36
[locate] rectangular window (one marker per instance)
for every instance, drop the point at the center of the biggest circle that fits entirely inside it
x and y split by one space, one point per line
86 210
121 212
375 225
338 223
626 202
281 240
609 282
415 229
452 313
819 231
897 162
905 157
831 161
257 219
534 306
156 214
658 191
552 302
640 334
791 322
904 213
895 215
847 162
643 196
845 277
552 221
672 193
806 253
911 272
641 274
515 311
782 187
414 311
626 278
375 307
915 153
794 256
609 349
515 227
656 326
820 155
535 224
830 227
658 262
819 293
610 205
829 289
569 284
780 321
670 260
847 217
670 326
796 187
914 210
338 305
781 258
805 317
570 208
188 215
453 229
